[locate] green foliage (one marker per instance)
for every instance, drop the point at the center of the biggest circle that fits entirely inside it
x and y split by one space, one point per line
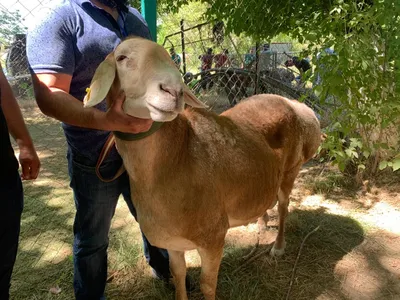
162 5
135 3
169 22
359 83
11 24
361 80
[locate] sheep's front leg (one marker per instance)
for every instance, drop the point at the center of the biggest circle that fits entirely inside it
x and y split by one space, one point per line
177 265
262 222
210 262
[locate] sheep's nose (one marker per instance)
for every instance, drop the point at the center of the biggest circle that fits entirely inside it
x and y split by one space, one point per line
175 92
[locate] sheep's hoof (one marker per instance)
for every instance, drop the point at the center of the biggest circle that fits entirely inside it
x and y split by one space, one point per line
276 252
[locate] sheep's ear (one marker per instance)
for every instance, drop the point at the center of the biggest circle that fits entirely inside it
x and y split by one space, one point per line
101 83
191 99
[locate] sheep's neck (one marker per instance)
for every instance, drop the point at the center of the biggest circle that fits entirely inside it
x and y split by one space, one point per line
142 158
138 136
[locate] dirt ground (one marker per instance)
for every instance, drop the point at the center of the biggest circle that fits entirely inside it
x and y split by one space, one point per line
355 253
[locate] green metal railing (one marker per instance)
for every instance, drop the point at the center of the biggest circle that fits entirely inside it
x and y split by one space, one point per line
149 12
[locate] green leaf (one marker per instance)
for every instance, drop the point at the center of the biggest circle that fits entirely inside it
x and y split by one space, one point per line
383 165
396 164
366 153
364 65
318 90
361 167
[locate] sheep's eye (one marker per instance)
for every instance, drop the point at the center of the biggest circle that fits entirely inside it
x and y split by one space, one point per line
121 58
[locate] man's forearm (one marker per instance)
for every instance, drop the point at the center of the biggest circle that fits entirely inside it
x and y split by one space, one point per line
54 100
62 106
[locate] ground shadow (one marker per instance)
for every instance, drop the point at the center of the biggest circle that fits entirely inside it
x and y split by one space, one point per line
268 278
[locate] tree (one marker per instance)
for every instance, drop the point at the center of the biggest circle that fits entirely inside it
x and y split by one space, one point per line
361 79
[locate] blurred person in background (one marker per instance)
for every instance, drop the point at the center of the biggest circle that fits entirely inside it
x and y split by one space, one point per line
11 191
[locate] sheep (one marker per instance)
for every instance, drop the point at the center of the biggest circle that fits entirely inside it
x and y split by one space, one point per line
200 173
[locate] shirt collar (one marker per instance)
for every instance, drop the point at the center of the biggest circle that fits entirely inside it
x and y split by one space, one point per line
80 2
83 2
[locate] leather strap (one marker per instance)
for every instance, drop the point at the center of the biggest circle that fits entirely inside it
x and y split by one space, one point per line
138 136
126 137
103 154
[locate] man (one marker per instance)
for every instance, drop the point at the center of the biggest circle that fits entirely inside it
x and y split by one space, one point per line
64 49
222 60
206 60
175 57
249 59
206 64
266 59
266 49
303 65
11 193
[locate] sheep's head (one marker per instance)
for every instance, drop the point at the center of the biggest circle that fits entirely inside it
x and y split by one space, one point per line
151 81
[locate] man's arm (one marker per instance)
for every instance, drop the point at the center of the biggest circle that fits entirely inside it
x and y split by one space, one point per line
50 51
28 158
54 100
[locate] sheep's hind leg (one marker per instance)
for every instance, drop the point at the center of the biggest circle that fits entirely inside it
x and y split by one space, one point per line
283 202
177 265
279 246
210 263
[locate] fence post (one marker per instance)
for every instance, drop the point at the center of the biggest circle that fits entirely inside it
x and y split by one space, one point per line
183 46
257 74
149 12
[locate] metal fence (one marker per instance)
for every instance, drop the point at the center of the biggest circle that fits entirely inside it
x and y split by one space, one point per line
223 69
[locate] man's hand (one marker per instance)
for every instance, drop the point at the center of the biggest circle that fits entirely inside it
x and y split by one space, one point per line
118 120
29 161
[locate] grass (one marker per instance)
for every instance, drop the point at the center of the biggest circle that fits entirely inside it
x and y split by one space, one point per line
354 255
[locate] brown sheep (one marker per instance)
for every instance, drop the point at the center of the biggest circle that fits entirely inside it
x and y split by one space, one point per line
200 173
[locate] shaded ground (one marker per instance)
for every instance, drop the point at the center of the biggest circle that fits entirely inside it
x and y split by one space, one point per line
354 255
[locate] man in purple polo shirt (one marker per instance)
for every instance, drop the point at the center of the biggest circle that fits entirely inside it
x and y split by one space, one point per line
64 48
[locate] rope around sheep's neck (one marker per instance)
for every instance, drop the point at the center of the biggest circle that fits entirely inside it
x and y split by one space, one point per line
138 136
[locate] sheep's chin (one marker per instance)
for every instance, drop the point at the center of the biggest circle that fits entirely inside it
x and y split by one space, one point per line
162 116
136 108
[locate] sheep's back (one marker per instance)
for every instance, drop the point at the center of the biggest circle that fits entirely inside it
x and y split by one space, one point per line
289 127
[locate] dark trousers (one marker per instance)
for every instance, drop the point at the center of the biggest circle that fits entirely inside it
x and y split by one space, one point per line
11 205
95 203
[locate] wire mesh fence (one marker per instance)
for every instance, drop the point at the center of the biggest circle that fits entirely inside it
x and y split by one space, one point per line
223 69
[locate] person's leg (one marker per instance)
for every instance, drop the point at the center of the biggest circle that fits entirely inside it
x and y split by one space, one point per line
11 205
95 203
157 258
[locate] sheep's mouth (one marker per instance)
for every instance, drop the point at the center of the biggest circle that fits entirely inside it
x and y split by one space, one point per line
160 109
